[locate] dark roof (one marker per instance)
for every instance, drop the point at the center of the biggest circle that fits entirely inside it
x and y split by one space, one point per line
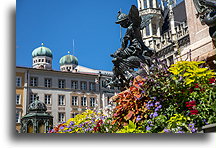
166 24
180 12
179 16
65 72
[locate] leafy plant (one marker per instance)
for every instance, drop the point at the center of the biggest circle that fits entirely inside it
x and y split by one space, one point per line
179 99
130 128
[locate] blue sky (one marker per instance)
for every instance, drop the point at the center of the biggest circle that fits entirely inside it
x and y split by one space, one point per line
56 23
90 23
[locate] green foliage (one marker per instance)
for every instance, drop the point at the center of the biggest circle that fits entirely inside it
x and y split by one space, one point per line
191 72
180 99
184 89
130 128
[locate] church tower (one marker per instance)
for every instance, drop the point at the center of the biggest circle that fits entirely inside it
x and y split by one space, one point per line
152 33
42 58
68 63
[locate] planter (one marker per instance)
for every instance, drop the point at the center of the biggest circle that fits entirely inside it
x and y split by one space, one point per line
208 128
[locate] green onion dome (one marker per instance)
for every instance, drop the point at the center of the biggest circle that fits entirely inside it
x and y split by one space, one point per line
68 59
42 51
37 106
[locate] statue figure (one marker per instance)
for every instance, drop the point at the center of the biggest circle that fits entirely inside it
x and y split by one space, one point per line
133 51
207 13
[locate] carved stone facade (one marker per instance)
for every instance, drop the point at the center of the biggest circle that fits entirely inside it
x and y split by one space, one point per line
201 44
186 38
168 32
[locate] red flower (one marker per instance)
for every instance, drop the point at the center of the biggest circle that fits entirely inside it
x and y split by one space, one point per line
191 106
194 112
191 90
96 129
196 85
192 102
212 80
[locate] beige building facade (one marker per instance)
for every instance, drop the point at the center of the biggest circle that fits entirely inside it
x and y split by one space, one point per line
201 45
66 92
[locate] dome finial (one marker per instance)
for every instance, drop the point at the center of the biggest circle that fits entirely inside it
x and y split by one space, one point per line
42 44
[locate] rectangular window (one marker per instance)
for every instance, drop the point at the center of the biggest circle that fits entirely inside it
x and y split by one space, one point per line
150 4
74 101
33 97
17 117
154 29
92 86
108 102
145 4
104 83
147 30
171 61
47 82
33 81
61 100
18 82
74 84
18 97
83 85
73 115
47 99
92 102
61 83
83 101
61 117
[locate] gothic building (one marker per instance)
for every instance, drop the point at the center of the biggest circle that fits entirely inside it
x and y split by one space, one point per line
175 32
167 32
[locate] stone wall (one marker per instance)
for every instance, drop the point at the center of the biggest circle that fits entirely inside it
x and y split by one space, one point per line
201 46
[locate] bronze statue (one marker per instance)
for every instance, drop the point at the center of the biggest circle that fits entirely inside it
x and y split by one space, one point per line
133 51
207 13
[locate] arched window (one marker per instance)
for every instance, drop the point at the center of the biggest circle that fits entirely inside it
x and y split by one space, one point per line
41 127
30 127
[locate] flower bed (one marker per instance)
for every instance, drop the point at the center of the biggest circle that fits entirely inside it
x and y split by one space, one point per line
179 99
